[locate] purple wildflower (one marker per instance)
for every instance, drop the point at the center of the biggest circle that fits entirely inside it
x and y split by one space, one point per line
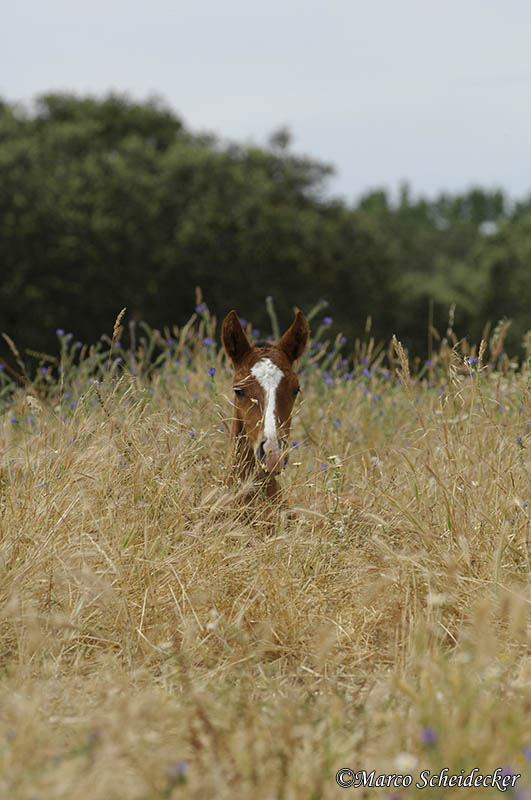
177 771
60 332
429 736
243 322
211 371
508 772
200 308
207 341
327 320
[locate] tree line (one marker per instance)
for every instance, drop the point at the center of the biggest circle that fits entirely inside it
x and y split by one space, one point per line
106 203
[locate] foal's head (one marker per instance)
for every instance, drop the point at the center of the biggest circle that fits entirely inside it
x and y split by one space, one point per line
265 388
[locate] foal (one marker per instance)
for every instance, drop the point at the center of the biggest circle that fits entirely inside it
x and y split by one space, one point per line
265 388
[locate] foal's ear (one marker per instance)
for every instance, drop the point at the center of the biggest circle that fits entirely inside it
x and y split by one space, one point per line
294 341
235 341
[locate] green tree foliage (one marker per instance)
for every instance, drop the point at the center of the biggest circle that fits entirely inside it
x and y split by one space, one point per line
110 203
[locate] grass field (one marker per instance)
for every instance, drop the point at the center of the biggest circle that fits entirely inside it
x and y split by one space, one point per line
157 640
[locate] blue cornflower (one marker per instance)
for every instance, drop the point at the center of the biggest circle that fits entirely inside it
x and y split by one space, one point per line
211 371
507 771
177 772
429 736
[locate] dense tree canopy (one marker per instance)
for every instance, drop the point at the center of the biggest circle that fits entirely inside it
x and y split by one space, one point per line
110 203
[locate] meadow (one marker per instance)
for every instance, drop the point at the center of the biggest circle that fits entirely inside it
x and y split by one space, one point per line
157 640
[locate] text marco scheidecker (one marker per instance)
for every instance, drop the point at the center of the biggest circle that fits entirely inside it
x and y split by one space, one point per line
499 779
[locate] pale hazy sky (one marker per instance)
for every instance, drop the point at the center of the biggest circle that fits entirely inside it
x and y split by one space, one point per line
436 93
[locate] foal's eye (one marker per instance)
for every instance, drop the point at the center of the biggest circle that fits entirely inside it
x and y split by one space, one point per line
239 392
295 392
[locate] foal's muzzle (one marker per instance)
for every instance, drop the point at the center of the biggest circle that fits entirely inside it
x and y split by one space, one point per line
269 455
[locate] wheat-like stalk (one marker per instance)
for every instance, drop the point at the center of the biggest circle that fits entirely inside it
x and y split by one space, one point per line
161 638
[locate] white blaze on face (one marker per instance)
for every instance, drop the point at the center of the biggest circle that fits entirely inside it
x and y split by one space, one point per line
269 376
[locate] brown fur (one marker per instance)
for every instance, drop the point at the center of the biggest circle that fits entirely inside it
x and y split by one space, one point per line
247 425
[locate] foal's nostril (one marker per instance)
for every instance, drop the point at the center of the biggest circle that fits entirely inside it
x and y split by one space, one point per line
261 451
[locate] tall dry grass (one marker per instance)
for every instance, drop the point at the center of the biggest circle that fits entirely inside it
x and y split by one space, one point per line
158 641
